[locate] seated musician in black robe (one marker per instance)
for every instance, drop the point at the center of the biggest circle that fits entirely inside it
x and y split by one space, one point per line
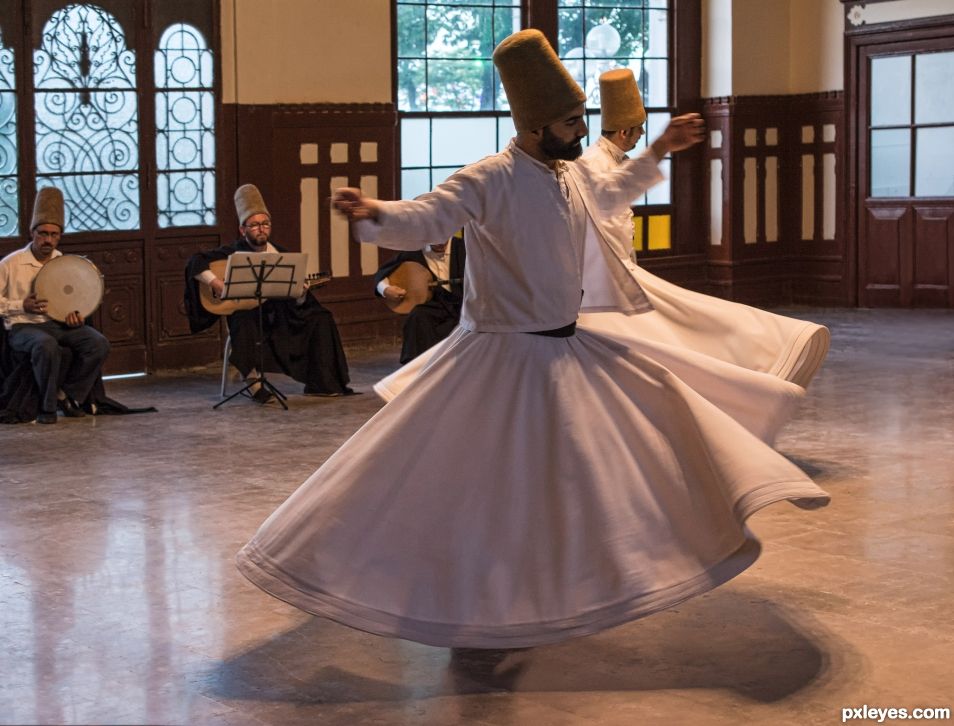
301 338
429 322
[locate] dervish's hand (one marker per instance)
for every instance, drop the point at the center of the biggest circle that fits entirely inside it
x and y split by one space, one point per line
394 293
354 205
33 304
681 133
73 319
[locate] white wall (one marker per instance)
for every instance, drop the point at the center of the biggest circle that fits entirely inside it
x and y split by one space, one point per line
306 51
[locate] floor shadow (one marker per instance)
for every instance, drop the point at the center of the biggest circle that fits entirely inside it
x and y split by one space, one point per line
728 639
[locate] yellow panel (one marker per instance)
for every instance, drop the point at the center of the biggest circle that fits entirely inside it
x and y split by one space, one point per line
637 233
659 236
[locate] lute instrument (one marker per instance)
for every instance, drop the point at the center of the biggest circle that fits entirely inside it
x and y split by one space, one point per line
218 306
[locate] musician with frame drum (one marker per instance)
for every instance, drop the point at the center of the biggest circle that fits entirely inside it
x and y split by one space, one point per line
301 338
439 299
32 332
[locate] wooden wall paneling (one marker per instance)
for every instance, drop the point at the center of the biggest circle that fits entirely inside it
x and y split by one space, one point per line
881 262
270 143
932 251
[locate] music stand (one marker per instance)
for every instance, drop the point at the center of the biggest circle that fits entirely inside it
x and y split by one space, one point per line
263 276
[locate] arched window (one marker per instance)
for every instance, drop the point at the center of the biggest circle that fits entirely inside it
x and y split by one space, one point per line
87 118
185 128
9 186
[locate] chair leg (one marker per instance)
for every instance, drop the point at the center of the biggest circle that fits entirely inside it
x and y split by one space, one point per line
225 363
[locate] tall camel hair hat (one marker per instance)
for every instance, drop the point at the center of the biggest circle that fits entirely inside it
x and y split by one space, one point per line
249 201
621 106
48 208
539 88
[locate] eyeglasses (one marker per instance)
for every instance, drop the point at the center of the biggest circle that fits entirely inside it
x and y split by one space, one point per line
259 225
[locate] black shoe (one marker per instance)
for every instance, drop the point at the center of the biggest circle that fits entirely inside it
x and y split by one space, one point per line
262 395
46 417
69 408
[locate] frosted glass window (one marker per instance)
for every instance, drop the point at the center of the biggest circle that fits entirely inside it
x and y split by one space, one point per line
505 132
750 137
415 142
9 186
934 163
87 118
934 88
715 201
891 90
185 128
415 182
715 139
660 193
771 137
657 82
891 163
808 134
460 141
828 133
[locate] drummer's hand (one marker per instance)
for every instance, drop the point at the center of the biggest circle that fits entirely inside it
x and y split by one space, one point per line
74 319
32 304
394 293
354 205
218 287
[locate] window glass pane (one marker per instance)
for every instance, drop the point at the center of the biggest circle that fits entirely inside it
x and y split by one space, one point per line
460 85
440 174
84 135
185 128
411 20
412 85
934 164
460 141
505 132
934 88
891 90
890 163
659 194
656 123
415 182
415 142
656 82
9 187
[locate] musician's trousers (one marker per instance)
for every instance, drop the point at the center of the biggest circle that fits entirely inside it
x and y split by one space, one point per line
42 343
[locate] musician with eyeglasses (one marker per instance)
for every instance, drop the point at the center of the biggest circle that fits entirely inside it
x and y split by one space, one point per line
63 384
439 271
301 338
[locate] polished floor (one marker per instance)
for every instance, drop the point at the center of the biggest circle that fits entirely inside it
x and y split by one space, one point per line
120 603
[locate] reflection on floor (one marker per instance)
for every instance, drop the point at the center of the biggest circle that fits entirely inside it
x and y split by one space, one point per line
119 602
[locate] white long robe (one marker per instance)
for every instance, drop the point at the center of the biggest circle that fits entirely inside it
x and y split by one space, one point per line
566 484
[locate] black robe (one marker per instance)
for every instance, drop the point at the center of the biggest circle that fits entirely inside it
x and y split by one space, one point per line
20 395
429 323
301 341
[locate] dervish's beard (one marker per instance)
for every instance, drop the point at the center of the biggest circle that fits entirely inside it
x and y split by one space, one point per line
556 149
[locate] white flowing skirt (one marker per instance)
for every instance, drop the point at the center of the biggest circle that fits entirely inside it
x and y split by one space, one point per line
524 490
751 363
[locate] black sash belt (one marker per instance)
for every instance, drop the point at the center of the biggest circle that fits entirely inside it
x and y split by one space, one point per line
566 331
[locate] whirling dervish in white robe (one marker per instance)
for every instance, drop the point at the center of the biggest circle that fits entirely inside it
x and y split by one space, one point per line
567 484
738 357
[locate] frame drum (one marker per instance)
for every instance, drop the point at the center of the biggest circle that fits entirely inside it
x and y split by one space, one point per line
68 283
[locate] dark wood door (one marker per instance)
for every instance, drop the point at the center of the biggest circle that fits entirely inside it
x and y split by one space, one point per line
904 193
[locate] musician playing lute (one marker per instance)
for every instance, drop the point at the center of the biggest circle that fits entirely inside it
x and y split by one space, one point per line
430 321
302 339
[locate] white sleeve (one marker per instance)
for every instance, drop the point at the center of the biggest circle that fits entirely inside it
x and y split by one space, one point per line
8 307
206 276
414 224
618 187
382 286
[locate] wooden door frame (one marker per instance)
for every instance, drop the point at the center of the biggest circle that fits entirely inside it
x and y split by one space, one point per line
858 41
